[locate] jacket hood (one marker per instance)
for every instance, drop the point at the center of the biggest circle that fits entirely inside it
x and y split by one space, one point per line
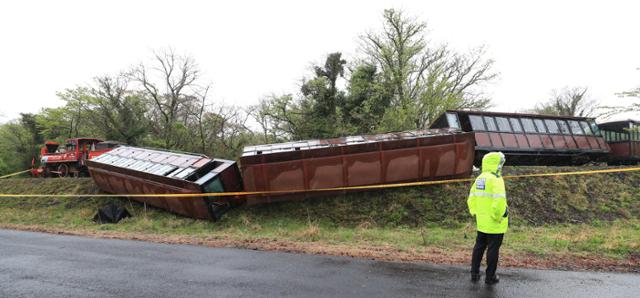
492 162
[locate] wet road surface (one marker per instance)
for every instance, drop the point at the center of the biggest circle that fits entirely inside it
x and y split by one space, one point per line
43 265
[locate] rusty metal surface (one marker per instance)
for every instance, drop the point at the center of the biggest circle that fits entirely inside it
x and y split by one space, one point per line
133 170
356 161
624 152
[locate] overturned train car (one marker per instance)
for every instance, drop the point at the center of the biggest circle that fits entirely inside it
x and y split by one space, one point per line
301 166
355 161
132 170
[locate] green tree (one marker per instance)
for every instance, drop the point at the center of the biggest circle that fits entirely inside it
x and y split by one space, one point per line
16 147
56 123
313 115
321 98
30 125
120 113
81 123
423 79
367 100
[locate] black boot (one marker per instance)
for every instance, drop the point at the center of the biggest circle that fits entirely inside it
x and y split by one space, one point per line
475 277
490 280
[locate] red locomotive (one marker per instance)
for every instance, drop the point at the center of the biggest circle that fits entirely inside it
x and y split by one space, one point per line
57 161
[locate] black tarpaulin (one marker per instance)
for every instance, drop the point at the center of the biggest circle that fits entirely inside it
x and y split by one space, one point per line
111 213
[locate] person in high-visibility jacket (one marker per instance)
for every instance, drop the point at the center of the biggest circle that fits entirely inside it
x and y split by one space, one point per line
488 203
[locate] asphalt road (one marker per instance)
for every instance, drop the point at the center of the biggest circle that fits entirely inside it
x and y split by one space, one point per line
43 265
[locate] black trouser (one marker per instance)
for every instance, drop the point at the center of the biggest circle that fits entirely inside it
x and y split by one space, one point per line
493 241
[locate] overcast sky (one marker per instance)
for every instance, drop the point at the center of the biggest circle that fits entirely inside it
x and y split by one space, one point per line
249 49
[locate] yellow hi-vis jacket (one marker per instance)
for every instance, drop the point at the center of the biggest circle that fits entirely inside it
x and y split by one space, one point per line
488 199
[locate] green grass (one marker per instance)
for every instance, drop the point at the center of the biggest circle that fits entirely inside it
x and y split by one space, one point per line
616 239
591 216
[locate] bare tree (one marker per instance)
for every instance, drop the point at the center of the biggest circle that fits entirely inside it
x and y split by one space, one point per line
281 117
171 84
633 107
200 119
569 102
223 129
260 114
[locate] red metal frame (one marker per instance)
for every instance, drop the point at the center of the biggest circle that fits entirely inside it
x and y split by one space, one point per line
133 170
530 139
355 161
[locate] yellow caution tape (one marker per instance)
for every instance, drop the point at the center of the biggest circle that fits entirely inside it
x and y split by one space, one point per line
364 187
13 174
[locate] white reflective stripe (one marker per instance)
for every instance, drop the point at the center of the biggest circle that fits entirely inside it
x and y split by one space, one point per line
486 194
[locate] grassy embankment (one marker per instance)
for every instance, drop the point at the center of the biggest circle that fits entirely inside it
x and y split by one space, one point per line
573 222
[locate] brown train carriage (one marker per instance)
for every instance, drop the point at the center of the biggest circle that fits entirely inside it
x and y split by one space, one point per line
133 170
623 138
355 161
530 139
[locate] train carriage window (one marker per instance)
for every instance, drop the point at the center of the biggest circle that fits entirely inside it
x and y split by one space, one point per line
586 128
575 127
476 122
540 125
491 124
635 131
503 124
515 124
594 128
552 126
453 120
564 128
528 125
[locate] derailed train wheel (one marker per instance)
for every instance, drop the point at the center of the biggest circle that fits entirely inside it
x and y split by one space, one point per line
63 170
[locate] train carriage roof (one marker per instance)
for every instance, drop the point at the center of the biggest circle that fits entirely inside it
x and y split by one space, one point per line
344 141
505 114
619 125
170 164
